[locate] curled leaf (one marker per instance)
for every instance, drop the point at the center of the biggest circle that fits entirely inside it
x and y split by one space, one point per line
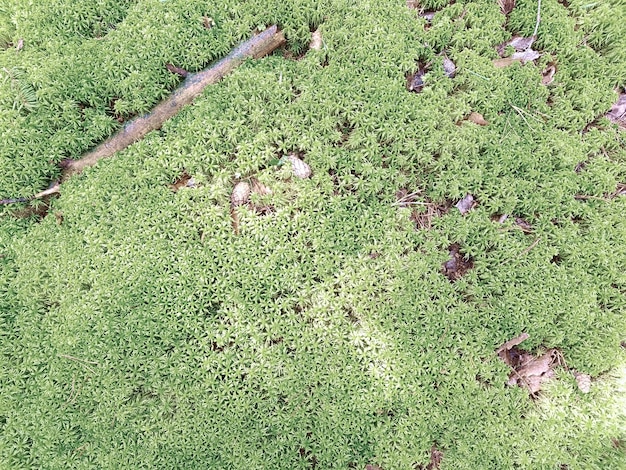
300 168
617 114
316 40
583 381
466 204
526 56
240 194
547 75
448 67
477 118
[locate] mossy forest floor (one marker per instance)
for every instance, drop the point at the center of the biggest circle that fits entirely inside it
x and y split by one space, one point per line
347 320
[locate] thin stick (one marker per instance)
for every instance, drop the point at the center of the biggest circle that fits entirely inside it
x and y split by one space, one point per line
194 84
538 19
534 244
255 48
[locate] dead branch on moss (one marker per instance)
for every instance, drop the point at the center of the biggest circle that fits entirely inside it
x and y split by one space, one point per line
135 130
255 48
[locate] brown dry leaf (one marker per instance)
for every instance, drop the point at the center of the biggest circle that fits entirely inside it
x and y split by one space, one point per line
177 70
181 182
300 168
531 371
448 67
477 118
506 6
547 75
617 114
458 265
512 342
240 194
371 466
516 42
466 204
316 40
583 381
208 22
416 81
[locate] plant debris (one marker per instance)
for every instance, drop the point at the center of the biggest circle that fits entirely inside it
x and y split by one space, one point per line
177 70
520 44
449 67
300 168
506 6
617 114
436 456
466 204
583 381
529 371
316 40
415 82
184 180
547 75
208 22
240 194
523 51
458 265
477 118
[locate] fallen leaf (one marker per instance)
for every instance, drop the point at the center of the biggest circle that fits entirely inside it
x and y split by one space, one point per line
458 265
466 204
316 40
20 44
259 188
240 194
547 75
506 6
617 114
416 81
512 342
370 466
583 381
448 67
526 56
181 181
435 458
530 371
518 43
177 70
477 118
208 22
501 63
300 168
525 226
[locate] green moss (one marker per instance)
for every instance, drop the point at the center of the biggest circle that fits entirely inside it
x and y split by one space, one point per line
137 329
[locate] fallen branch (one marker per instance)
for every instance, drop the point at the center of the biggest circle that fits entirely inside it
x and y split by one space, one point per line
193 85
255 48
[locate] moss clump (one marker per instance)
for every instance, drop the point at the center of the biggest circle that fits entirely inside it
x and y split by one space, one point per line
138 329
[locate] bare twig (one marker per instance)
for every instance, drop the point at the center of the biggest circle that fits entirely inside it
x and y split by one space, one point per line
513 342
533 245
82 362
255 48
538 19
